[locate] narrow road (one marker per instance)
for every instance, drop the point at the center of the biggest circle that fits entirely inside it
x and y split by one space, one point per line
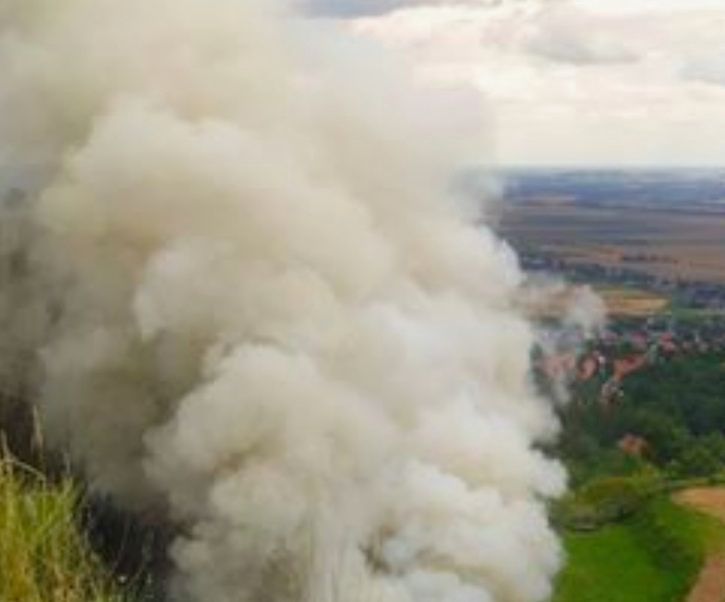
710 585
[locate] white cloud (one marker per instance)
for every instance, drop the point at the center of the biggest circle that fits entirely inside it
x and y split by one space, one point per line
574 36
708 69
651 7
578 81
351 8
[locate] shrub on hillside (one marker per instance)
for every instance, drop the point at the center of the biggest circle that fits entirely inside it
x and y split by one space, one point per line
605 500
704 457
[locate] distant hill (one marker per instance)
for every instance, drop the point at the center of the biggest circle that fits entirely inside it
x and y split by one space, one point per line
615 186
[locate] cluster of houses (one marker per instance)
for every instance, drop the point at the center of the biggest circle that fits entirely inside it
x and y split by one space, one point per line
627 347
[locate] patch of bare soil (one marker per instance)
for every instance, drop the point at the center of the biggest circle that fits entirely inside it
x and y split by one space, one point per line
710 585
710 500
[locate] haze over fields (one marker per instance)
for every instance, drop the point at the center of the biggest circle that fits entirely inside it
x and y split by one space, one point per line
669 224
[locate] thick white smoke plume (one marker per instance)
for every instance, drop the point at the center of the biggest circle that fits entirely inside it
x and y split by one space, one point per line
266 317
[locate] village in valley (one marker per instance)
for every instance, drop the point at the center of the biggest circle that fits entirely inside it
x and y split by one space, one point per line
650 321
643 390
651 325
627 346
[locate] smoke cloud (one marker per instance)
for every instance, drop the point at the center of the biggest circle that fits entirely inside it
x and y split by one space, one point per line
265 315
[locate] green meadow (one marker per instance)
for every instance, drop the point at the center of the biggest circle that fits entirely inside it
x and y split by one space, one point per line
654 555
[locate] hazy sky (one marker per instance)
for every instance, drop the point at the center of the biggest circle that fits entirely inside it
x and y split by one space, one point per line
570 81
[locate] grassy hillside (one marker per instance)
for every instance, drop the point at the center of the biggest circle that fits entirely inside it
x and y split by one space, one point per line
610 565
43 556
654 555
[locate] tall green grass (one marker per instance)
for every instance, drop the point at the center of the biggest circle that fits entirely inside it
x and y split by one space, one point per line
43 555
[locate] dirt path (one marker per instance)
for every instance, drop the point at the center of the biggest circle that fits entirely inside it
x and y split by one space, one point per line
710 500
710 585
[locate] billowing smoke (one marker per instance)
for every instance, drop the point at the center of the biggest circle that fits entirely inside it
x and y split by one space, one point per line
265 315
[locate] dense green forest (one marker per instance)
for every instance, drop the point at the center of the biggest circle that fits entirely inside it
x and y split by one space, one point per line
677 407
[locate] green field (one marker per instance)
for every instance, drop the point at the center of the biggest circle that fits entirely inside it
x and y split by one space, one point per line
610 565
654 556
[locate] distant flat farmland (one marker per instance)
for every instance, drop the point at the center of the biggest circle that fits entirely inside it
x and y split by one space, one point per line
632 303
669 224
